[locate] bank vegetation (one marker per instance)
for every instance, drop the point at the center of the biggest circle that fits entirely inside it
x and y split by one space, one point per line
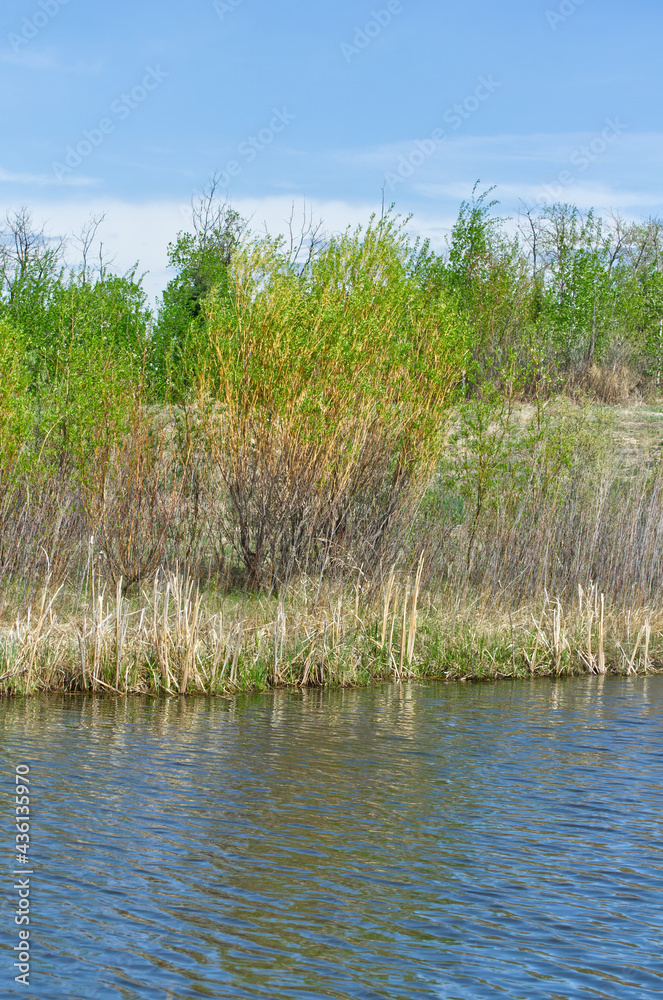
330 460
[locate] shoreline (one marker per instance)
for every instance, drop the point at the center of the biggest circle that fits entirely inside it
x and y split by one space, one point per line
176 640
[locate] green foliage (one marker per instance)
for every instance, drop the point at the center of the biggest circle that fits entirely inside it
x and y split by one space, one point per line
296 414
578 300
356 327
641 313
325 391
473 243
28 306
574 291
502 454
202 260
108 315
14 410
85 409
72 353
486 273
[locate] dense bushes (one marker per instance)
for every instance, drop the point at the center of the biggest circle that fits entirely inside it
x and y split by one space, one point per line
324 398
331 416
571 292
297 429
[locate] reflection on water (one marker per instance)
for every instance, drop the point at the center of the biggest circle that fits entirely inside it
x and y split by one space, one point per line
446 841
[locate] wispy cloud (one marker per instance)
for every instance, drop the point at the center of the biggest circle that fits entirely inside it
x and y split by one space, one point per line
43 180
505 147
583 194
48 60
511 148
617 174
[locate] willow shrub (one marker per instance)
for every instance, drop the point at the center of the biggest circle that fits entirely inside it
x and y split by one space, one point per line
14 422
18 530
324 397
89 419
13 401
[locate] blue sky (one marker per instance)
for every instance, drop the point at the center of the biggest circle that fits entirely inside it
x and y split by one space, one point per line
129 108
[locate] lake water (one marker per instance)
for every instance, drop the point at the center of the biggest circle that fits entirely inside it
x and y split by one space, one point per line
450 841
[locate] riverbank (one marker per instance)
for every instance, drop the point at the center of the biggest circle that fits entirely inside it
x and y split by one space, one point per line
534 513
176 639
385 464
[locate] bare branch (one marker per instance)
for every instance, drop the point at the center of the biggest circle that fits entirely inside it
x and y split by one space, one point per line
214 220
85 238
24 249
308 240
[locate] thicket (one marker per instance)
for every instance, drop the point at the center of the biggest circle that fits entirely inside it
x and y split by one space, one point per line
329 408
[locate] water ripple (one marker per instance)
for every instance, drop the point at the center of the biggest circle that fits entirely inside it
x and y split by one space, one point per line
441 841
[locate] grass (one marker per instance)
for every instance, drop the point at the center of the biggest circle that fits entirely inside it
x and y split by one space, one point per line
174 639
380 464
556 573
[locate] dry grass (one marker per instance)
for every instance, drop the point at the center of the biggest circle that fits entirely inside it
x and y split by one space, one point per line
611 384
173 639
564 577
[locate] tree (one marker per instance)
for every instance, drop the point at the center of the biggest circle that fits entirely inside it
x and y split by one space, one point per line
201 258
575 255
486 272
31 264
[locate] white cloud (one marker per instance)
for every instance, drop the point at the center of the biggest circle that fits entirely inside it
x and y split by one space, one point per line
585 195
505 147
130 232
47 60
44 180
618 173
141 231
521 166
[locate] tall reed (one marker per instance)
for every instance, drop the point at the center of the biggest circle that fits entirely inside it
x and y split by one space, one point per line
175 639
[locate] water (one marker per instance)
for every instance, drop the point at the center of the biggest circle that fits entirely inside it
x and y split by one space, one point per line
447 841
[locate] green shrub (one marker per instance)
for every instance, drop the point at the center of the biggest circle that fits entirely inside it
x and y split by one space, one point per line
325 396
